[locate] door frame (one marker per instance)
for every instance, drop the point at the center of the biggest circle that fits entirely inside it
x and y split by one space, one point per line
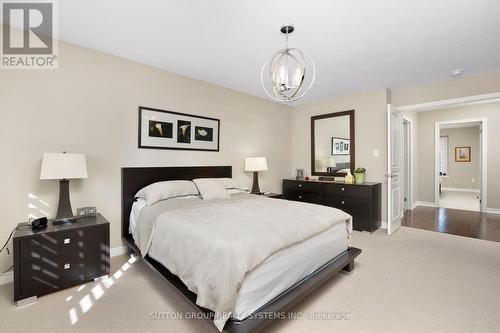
483 159
408 158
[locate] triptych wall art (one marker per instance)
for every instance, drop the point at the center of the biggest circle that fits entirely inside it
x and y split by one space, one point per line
160 129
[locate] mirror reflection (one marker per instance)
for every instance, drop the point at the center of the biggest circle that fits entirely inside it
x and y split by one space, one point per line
332 144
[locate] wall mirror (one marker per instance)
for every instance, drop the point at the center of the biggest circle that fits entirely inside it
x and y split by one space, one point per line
332 144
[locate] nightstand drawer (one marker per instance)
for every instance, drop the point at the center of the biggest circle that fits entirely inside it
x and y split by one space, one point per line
47 246
81 266
45 275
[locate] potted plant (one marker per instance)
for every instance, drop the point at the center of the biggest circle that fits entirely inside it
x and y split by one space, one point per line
360 174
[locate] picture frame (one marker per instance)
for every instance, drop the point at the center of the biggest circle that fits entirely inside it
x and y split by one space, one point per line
163 129
341 146
462 154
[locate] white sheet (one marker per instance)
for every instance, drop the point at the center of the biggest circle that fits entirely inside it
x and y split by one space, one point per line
137 206
287 267
279 271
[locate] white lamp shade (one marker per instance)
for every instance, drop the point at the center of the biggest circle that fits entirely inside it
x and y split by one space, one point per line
63 166
255 164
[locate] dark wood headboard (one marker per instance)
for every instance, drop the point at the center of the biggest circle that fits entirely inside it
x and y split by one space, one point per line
133 179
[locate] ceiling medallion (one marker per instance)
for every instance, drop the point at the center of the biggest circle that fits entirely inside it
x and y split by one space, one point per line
288 72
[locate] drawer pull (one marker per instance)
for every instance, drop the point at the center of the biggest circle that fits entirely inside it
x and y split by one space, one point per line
343 189
67 266
67 240
300 185
343 202
300 197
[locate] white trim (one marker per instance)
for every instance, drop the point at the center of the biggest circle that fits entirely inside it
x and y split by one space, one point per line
114 251
454 102
118 251
484 157
409 153
414 205
456 189
383 225
493 210
425 204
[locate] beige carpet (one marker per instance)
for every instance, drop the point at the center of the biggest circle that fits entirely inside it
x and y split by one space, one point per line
413 281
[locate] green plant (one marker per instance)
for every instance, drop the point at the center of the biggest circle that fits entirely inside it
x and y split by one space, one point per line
360 170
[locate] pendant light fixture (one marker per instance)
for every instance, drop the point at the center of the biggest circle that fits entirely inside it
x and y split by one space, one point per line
290 72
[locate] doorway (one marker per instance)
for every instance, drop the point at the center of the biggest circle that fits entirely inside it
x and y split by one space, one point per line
460 159
399 136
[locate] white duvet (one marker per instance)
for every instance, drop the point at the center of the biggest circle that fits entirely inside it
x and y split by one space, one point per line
211 245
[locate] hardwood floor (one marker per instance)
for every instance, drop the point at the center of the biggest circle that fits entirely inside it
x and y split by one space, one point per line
454 221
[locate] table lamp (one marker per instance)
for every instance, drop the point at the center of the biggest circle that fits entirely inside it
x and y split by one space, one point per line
255 164
63 166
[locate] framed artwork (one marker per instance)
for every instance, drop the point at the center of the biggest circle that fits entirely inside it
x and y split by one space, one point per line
462 154
161 129
341 146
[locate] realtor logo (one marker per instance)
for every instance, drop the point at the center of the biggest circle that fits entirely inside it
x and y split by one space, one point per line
28 35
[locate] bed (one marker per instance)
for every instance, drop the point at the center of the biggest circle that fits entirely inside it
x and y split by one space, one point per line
273 285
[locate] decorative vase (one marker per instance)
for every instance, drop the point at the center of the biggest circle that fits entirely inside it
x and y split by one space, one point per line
360 178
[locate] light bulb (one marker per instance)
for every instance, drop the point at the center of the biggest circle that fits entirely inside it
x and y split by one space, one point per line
283 75
297 78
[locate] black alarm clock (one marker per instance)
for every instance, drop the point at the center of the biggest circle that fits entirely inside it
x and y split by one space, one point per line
39 223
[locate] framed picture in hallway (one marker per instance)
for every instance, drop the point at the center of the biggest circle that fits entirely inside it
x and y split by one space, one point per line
161 129
462 154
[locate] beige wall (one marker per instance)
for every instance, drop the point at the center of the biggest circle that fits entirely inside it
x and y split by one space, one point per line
468 85
463 175
89 105
426 127
370 121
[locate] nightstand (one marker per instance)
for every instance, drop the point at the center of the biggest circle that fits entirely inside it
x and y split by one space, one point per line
59 256
274 195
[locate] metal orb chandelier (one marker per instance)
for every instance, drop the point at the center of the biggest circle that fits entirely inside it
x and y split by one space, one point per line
288 71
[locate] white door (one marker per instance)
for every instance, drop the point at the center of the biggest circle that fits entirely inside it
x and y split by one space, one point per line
395 168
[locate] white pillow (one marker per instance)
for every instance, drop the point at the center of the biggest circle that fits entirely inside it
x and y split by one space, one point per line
211 188
234 191
166 190
229 182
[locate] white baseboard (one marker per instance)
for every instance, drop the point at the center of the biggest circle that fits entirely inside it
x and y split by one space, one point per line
493 210
383 225
455 189
425 204
115 251
118 251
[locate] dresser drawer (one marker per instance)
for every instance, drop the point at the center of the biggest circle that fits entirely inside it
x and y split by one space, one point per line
298 186
303 196
348 190
47 246
349 205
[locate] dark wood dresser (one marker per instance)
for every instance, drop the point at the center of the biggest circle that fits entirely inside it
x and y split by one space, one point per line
59 256
362 201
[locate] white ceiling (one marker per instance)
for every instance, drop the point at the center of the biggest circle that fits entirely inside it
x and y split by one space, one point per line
356 44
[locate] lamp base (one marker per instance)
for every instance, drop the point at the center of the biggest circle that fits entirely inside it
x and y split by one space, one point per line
64 211
255 186
64 221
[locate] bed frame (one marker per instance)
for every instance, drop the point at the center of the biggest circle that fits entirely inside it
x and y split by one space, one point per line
133 179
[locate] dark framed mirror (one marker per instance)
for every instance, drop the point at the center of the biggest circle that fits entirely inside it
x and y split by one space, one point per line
332 144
